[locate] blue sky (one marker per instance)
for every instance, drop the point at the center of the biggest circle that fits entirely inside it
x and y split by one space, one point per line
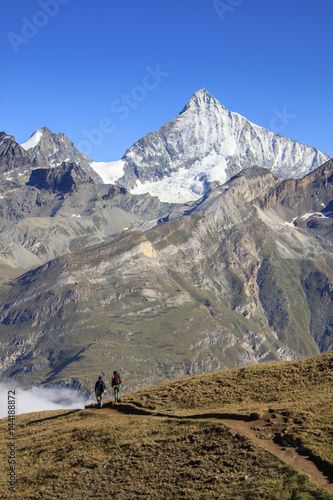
106 73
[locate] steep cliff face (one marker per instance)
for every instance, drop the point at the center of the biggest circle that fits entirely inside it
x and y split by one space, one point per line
13 158
306 194
64 179
223 281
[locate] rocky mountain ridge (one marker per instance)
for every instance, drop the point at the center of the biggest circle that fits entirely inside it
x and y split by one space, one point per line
230 279
13 158
48 211
52 150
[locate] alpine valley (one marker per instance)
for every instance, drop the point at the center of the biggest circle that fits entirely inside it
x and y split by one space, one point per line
207 246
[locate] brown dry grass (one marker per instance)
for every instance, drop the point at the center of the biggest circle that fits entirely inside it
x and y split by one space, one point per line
301 392
244 389
103 454
91 454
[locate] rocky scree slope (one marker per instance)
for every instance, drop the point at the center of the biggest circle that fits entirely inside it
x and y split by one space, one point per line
242 275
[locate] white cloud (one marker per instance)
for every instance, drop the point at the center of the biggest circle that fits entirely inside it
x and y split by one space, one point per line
39 399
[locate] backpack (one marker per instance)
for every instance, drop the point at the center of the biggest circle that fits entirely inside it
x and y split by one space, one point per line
116 380
100 386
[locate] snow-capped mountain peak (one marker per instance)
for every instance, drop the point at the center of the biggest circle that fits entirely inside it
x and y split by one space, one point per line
54 149
205 145
33 140
202 100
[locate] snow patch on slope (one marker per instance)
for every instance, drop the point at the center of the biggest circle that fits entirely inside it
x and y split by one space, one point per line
109 171
33 141
319 215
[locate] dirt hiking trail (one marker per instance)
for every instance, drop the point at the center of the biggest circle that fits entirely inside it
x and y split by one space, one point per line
288 454
302 463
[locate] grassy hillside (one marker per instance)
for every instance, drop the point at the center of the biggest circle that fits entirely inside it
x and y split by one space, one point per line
299 391
123 455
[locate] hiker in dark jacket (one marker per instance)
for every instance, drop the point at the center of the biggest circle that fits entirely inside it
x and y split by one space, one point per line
99 390
115 383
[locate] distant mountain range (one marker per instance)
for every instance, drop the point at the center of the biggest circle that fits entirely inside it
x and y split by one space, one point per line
203 147
115 276
48 211
241 275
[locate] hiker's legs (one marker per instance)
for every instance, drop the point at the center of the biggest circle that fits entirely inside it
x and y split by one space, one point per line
99 399
116 393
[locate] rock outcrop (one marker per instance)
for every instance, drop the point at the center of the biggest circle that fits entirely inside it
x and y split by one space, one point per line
66 178
13 158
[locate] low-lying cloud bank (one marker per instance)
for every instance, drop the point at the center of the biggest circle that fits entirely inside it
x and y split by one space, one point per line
38 399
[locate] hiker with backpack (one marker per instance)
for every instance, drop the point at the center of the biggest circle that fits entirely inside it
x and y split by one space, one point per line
115 383
99 390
